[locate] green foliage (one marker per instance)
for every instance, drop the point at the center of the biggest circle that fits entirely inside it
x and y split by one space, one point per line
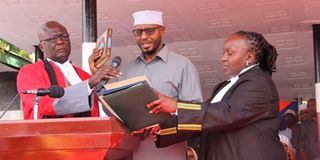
6 46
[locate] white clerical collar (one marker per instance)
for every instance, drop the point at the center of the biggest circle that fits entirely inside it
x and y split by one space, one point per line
68 71
65 64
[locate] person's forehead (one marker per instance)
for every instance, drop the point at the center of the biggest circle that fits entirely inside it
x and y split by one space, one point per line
53 29
56 29
142 26
235 41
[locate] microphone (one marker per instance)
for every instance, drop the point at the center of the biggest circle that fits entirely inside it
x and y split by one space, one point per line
115 63
53 91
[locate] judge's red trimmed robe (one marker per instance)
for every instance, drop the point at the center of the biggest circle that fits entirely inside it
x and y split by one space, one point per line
75 99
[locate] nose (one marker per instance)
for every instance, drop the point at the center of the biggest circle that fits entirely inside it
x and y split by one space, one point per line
223 58
144 35
59 40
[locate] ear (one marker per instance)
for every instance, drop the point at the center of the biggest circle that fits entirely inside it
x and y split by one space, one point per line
41 47
251 57
162 30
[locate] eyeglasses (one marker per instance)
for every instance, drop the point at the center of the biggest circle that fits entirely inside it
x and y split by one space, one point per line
148 31
62 36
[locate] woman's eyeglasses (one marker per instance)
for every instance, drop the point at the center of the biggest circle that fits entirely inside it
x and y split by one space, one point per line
62 36
148 31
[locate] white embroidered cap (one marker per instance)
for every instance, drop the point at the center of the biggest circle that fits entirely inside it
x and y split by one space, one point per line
147 17
290 111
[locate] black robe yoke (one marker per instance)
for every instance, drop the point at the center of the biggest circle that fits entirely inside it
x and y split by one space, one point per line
242 126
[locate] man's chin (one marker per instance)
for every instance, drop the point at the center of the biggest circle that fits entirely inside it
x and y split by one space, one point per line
148 52
62 58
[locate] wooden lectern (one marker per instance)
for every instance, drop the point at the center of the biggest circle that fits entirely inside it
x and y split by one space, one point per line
65 139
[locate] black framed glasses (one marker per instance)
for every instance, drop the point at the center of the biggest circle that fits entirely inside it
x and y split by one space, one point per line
62 36
149 31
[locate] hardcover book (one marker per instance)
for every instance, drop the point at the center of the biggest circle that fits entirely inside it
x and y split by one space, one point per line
127 101
104 42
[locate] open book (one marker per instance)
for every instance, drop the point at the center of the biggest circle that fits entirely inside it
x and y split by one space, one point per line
127 101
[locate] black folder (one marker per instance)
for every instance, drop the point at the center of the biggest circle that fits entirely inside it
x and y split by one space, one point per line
128 103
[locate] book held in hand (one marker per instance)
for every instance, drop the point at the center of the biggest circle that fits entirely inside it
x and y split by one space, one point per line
127 100
104 42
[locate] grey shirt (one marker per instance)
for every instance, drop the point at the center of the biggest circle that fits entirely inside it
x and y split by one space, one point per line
174 76
169 73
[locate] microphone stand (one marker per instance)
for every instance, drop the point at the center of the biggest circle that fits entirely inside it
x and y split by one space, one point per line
36 107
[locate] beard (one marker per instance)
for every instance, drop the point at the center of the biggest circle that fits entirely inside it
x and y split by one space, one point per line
154 49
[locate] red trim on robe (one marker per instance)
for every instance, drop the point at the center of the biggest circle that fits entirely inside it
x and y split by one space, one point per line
34 76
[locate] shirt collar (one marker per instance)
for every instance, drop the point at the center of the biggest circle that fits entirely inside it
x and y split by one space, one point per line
247 68
242 71
162 54
66 64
